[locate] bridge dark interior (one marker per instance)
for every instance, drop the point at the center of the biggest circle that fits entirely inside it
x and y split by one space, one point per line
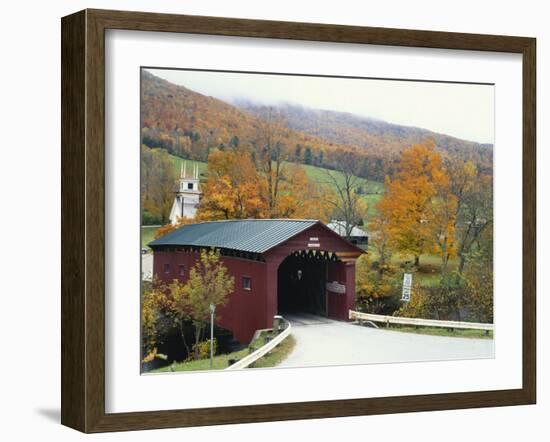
302 285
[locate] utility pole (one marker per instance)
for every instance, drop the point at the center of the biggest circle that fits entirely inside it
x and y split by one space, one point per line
212 311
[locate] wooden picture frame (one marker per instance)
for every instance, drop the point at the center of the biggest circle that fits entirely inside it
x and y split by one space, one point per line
83 216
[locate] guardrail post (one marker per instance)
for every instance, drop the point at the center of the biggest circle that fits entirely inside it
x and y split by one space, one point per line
277 322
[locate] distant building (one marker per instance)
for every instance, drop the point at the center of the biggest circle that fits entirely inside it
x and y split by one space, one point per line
187 196
357 236
279 266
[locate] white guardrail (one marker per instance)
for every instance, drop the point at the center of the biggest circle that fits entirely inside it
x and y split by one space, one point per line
419 322
254 356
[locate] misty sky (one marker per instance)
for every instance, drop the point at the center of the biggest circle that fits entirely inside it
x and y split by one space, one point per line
462 110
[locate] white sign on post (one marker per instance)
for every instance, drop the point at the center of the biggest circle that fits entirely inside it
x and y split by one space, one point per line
407 285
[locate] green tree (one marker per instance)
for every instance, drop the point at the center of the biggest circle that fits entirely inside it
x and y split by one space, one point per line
308 156
158 183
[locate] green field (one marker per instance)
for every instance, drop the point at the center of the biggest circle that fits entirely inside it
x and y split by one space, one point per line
373 189
147 234
189 164
429 272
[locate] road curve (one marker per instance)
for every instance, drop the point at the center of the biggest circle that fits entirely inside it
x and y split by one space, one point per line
321 341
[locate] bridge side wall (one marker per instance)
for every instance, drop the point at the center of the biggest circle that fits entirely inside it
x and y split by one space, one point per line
340 303
242 314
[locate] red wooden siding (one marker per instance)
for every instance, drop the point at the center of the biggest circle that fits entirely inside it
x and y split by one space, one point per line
240 314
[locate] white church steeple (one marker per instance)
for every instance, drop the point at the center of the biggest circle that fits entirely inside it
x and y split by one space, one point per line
187 196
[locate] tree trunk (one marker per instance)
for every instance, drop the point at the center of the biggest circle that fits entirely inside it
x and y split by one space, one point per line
417 260
461 263
182 332
198 329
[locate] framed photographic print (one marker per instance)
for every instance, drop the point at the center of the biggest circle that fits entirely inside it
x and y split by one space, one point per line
266 221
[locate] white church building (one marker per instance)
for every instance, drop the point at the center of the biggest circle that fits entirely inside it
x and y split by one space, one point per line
188 195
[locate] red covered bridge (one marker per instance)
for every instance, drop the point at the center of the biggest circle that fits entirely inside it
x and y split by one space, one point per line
279 266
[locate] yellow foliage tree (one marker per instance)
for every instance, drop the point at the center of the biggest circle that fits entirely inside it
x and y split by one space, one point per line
442 221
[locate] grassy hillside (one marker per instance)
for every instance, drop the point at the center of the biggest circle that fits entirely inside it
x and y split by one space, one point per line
147 234
190 164
372 190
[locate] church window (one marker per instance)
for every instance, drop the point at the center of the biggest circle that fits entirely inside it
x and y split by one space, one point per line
190 186
167 268
182 270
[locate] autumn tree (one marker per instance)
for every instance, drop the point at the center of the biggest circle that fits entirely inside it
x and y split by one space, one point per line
376 285
407 202
169 227
442 220
301 197
478 275
475 218
157 318
272 154
149 319
348 204
209 283
233 189
236 189
380 240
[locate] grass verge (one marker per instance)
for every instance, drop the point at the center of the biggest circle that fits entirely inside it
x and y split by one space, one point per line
439 331
221 362
277 355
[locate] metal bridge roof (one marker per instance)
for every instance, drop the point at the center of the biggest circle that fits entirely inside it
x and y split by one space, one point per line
255 235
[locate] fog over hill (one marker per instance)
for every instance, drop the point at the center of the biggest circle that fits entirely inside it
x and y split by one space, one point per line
189 124
350 129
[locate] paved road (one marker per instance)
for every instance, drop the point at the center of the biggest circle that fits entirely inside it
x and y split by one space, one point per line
147 266
322 341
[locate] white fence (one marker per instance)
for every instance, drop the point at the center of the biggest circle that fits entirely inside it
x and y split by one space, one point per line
418 322
253 357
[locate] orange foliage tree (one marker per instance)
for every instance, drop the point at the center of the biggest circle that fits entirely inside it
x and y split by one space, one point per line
408 204
233 189
300 197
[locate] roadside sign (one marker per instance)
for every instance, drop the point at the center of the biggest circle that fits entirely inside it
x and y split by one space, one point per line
336 287
407 286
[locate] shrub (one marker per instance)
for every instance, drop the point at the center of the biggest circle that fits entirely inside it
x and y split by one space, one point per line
203 348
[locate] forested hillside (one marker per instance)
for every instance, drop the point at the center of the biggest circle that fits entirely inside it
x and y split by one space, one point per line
189 125
379 138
